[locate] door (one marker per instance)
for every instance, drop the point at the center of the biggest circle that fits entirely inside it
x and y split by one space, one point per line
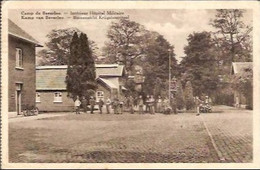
18 98
18 102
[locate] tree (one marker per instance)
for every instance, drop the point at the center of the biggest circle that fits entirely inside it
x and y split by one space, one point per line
57 48
243 83
158 87
155 62
179 96
123 36
199 64
130 43
188 96
81 75
232 36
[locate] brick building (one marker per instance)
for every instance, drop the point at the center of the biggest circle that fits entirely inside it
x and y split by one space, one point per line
21 69
51 94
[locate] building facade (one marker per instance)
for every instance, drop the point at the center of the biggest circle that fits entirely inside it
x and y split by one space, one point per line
21 69
51 94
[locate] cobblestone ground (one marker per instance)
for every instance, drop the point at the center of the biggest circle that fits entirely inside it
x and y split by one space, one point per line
232 132
133 138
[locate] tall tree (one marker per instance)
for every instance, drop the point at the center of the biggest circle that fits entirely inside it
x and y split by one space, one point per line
188 96
131 43
155 61
57 48
81 75
200 63
233 37
124 36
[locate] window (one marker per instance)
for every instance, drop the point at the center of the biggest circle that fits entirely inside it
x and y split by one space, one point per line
38 97
99 95
57 97
18 86
19 58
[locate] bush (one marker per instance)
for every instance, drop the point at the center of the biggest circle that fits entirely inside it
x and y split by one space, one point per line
224 99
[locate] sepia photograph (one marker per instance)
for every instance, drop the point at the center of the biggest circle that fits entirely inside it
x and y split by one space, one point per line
130 85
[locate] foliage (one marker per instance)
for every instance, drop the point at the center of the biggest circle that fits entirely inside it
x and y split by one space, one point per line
224 99
157 91
180 96
199 64
124 37
57 49
130 85
131 44
233 37
156 62
188 96
81 73
243 82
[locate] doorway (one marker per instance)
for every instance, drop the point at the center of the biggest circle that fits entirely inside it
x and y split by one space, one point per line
18 98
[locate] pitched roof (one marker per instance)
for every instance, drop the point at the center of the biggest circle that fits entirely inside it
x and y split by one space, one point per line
111 83
49 79
53 77
18 32
239 67
104 70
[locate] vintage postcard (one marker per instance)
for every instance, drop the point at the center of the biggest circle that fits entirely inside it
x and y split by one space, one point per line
130 84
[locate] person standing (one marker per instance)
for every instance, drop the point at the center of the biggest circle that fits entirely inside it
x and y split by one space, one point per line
100 105
237 101
151 103
84 104
198 104
108 103
121 107
115 105
159 104
165 104
147 107
131 104
77 104
92 104
141 105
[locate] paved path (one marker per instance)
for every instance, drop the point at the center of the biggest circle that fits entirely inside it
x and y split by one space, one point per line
39 116
134 138
232 133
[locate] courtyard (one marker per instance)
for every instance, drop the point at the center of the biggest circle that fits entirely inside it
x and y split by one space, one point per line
222 136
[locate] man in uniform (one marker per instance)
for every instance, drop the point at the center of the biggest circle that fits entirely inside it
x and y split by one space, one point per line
141 105
100 105
108 103
92 104
84 104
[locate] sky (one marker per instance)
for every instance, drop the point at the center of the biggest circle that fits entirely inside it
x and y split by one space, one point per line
174 24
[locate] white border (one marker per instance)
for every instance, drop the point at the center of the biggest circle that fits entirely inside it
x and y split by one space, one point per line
130 5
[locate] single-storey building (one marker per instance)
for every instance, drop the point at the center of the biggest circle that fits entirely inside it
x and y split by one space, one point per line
21 69
239 68
51 94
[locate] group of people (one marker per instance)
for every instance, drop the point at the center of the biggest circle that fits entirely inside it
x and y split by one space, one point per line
143 105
